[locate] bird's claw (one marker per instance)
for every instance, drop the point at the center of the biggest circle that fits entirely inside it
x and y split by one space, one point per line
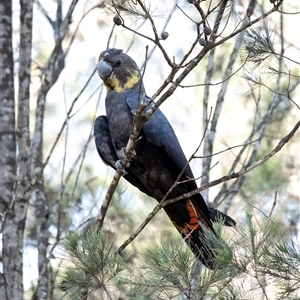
122 156
121 153
120 167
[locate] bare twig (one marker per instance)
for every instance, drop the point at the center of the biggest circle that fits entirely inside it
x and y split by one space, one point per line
108 198
260 127
44 12
68 117
210 134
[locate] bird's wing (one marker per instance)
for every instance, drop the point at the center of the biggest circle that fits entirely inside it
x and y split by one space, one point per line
107 152
159 132
103 141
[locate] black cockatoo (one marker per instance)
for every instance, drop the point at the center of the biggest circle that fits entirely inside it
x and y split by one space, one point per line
158 158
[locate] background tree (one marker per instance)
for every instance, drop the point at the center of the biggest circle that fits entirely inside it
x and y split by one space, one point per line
236 78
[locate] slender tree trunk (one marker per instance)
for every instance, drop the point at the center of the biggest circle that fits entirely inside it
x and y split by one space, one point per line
11 279
53 69
23 187
42 210
15 177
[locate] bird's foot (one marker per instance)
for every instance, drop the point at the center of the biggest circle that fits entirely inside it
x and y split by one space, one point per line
120 167
121 153
123 157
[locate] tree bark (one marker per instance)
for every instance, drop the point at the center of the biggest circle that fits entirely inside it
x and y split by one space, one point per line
23 186
11 279
53 69
15 182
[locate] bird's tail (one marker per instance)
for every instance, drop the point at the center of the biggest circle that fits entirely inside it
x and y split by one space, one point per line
199 234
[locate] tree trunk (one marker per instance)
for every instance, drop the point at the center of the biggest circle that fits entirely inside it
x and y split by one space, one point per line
12 287
15 180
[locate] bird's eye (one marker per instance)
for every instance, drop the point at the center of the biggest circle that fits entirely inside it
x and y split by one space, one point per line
117 63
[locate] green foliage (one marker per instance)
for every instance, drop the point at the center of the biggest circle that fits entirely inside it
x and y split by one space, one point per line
262 262
95 263
258 44
282 264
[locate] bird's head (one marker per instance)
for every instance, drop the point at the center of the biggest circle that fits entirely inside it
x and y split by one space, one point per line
118 71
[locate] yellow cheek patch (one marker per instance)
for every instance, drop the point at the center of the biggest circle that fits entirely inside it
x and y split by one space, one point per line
115 84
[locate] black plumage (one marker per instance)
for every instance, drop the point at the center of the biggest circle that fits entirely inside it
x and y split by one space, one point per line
158 158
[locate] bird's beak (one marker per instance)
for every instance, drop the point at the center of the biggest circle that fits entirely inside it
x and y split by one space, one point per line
104 69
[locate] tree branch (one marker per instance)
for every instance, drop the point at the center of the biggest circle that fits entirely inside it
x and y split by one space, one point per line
243 171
